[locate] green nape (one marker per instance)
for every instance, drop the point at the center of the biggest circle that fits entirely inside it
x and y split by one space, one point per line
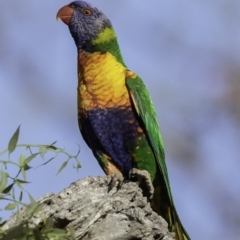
106 41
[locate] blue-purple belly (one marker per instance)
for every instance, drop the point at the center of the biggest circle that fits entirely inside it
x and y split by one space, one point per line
114 132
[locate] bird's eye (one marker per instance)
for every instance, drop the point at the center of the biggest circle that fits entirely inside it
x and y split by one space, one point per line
87 12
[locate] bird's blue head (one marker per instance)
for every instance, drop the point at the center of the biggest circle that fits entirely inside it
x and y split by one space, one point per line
85 22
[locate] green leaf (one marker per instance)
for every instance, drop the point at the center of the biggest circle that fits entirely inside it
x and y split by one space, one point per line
62 167
54 232
33 208
49 223
21 159
26 167
23 173
21 181
78 165
71 232
32 200
19 232
37 234
8 188
13 141
11 206
19 185
20 197
42 151
46 162
51 146
3 182
30 158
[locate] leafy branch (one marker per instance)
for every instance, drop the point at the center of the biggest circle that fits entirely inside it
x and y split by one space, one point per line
29 153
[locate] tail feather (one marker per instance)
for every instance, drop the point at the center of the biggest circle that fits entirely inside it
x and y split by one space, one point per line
165 208
177 227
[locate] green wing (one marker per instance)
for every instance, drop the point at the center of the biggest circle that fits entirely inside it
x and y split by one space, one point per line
144 107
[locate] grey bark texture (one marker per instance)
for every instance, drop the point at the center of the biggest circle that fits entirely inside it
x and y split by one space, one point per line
98 214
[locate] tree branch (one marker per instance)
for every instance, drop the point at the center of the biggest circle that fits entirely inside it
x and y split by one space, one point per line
94 213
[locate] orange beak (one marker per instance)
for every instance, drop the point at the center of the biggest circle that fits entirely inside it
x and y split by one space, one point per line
65 13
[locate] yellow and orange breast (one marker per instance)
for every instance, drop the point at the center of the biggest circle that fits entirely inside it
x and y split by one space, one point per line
101 82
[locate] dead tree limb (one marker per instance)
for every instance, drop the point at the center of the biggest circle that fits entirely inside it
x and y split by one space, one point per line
97 214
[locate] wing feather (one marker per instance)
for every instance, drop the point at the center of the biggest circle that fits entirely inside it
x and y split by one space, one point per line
145 109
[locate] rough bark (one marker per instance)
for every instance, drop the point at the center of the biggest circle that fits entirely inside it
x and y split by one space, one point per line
95 213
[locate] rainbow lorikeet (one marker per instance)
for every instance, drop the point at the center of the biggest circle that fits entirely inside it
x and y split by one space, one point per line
115 112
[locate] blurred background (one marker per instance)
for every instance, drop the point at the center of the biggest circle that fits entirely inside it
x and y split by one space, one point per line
188 54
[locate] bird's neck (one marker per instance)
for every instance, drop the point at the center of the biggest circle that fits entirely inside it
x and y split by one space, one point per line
105 42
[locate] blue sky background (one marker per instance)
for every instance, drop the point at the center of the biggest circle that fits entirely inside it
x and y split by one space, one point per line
188 54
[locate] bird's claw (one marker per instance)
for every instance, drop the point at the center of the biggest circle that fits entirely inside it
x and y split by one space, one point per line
116 180
144 179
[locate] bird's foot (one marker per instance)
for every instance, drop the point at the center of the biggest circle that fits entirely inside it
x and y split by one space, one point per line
144 179
116 180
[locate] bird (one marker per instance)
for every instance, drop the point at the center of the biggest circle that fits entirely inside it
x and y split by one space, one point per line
116 115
